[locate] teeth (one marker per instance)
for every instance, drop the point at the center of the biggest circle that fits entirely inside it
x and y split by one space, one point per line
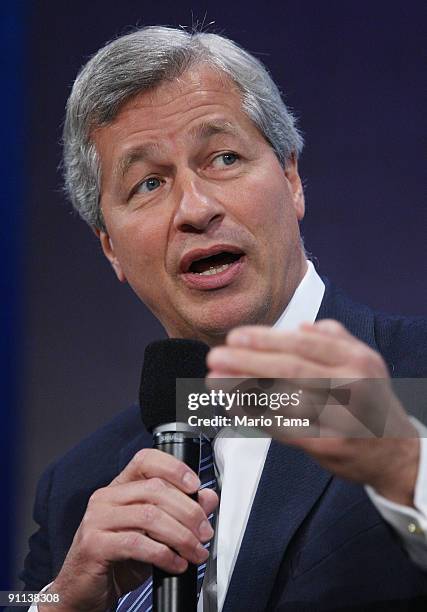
214 270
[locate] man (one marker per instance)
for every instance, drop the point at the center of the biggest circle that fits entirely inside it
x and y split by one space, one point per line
181 155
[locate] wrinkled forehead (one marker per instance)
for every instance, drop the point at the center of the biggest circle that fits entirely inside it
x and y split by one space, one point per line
172 94
195 79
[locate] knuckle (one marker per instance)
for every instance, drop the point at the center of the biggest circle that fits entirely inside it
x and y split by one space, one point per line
154 485
332 325
187 541
194 516
160 555
141 457
132 541
180 471
149 514
87 520
195 513
96 496
87 543
362 358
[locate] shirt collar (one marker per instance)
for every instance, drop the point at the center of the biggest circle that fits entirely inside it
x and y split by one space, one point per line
305 302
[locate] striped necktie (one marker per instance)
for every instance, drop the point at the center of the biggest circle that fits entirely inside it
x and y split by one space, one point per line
140 600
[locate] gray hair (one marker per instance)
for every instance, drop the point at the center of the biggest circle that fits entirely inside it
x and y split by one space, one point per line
139 62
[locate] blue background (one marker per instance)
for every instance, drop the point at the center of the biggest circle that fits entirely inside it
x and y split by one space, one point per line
13 161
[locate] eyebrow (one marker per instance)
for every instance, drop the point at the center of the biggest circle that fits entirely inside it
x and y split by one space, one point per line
136 154
203 131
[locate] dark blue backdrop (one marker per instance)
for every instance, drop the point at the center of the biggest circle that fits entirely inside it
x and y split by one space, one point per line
12 241
354 74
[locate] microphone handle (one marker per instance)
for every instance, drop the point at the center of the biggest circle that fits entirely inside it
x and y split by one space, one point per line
177 592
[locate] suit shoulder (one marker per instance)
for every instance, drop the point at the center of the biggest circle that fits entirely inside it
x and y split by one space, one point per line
94 460
403 341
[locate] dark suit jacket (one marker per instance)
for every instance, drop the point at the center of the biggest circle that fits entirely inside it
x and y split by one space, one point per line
313 541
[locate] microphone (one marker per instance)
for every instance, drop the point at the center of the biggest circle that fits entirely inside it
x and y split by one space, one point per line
164 362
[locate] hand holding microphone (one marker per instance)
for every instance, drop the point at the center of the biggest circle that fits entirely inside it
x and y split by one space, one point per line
145 517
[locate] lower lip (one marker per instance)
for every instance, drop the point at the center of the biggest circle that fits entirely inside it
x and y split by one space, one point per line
214 281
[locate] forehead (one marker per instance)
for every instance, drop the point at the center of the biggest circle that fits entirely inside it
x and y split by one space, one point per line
201 80
200 85
176 108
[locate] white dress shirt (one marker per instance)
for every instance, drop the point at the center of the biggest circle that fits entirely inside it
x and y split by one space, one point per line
240 461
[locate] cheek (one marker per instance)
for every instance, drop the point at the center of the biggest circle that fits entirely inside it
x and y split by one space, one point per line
139 247
265 203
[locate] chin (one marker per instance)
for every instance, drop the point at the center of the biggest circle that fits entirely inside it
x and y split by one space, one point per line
215 324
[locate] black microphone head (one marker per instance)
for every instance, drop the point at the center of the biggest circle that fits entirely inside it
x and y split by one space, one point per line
164 362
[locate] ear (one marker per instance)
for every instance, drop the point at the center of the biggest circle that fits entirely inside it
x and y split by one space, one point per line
295 184
108 249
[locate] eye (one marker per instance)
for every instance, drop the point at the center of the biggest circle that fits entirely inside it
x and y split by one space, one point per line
150 184
225 159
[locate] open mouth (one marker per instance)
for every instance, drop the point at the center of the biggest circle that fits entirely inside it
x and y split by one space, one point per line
214 264
212 268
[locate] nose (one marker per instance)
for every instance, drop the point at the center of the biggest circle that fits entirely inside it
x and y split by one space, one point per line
198 210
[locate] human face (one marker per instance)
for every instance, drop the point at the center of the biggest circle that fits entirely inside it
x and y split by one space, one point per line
186 175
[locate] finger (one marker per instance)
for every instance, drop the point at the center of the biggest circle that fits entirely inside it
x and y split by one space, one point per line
318 347
150 463
106 506
264 364
226 382
224 374
159 525
134 545
328 327
208 500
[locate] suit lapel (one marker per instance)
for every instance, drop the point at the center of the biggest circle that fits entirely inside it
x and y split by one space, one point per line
358 319
290 485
